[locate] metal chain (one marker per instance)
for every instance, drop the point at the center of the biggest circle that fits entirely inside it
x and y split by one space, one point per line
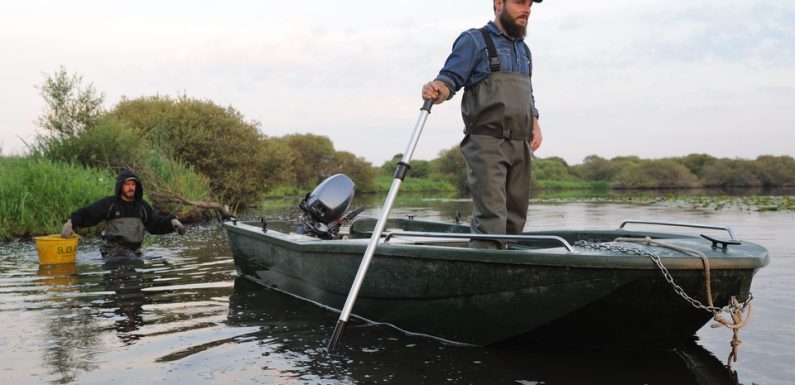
740 312
668 277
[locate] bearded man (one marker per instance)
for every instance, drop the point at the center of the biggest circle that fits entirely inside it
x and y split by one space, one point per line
494 66
127 216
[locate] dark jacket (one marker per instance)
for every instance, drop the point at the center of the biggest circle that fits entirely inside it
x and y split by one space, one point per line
111 207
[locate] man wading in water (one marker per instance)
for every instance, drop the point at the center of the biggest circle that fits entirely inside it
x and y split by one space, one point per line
494 66
126 217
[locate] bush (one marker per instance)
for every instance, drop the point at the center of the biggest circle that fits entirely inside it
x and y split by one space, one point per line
168 183
450 167
775 171
214 140
650 174
359 170
696 163
113 146
419 168
731 173
108 144
553 168
314 158
596 168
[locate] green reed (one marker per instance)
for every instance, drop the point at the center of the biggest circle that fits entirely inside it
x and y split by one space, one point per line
37 195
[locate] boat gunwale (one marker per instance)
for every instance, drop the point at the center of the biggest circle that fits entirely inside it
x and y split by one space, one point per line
581 258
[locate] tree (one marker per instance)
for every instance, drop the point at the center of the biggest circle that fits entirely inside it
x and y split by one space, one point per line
731 173
216 141
314 160
775 171
71 107
450 166
553 168
657 173
419 168
596 168
359 170
697 162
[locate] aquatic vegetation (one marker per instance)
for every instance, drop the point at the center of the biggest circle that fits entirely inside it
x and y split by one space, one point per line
36 194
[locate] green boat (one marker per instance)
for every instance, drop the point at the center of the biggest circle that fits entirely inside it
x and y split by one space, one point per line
581 287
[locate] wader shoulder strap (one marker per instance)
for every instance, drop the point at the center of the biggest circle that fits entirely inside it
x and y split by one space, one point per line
110 212
141 212
494 60
529 58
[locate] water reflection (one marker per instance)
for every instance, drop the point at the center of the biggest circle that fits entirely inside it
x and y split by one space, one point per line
126 283
288 330
70 330
86 324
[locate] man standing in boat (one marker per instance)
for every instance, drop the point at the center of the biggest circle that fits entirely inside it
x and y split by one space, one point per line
494 66
126 217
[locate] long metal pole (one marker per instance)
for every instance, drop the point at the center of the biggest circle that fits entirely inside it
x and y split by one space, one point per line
402 169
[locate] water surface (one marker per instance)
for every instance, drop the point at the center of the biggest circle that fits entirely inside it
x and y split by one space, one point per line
180 315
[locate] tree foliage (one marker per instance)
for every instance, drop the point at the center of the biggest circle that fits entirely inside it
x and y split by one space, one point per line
314 158
217 141
420 168
106 144
731 173
553 168
775 171
358 169
71 107
217 147
696 163
450 166
661 173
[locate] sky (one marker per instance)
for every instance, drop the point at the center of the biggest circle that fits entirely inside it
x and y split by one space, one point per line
650 78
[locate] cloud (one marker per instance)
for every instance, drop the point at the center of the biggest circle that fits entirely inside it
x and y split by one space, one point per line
646 77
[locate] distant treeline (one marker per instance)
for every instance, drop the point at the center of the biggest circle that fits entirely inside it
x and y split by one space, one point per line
189 150
625 172
694 170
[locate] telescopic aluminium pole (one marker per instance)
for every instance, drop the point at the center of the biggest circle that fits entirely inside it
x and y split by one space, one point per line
402 169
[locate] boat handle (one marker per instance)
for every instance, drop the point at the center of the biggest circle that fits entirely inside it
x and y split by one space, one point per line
697 226
519 237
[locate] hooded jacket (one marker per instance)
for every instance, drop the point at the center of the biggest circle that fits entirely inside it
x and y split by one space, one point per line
112 207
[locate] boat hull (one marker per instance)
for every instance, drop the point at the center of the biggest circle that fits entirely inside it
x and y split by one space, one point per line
482 297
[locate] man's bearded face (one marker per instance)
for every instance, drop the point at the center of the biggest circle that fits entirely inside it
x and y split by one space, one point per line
515 26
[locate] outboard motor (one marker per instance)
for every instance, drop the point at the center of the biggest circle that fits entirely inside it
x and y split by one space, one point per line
323 210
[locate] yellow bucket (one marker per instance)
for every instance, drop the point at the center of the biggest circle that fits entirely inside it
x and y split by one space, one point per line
54 249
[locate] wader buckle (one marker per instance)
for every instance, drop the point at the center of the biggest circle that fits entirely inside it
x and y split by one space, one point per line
506 133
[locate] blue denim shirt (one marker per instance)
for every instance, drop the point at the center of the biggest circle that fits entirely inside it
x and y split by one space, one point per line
468 64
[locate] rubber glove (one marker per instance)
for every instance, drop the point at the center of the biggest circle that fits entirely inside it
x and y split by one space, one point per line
178 226
67 231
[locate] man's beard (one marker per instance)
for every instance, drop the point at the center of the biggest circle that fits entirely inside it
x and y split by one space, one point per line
512 29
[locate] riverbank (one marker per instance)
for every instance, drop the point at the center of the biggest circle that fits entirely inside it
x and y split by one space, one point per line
37 194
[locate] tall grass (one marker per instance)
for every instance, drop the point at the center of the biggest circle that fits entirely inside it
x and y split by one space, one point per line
167 181
37 195
384 182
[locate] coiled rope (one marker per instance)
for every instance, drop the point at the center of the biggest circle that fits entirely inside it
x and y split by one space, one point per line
740 312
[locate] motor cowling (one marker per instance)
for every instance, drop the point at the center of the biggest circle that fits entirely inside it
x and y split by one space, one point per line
323 209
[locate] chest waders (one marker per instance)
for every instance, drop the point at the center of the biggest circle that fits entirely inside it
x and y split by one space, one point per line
123 237
498 117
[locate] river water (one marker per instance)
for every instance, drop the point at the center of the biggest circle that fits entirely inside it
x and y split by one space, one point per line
180 315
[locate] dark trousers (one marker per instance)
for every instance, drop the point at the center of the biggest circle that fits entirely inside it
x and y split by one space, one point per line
114 250
498 174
